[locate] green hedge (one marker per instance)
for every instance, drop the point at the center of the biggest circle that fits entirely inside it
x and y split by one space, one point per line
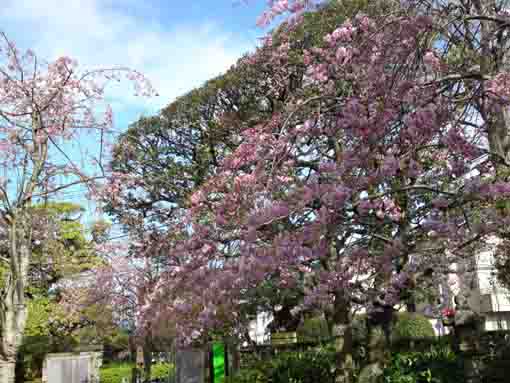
310 366
161 370
412 326
312 330
407 326
113 373
438 365
359 329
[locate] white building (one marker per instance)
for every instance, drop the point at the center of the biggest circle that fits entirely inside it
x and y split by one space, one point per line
494 298
488 297
258 328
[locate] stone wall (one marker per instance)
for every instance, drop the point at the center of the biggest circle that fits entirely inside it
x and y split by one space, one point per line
80 367
191 366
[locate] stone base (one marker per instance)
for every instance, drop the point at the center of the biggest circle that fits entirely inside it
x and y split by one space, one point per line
7 372
370 373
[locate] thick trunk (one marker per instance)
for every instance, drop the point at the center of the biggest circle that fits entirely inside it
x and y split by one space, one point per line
20 367
342 333
499 141
379 325
147 361
13 309
377 348
236 359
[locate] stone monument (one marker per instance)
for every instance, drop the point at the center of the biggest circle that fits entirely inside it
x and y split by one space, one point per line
468 326
80 367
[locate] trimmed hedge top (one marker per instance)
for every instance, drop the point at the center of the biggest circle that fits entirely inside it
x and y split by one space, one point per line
412 326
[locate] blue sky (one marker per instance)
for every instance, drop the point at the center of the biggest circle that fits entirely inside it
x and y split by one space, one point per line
177 44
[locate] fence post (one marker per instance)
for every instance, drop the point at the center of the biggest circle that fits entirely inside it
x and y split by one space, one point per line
468 326
135 375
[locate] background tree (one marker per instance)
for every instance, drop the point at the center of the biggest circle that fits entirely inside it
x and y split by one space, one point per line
43 106
64 253
67 255
172 154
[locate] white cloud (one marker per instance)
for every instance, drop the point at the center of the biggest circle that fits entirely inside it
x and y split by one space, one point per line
176 58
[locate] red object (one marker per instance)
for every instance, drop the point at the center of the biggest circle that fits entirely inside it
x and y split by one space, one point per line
448 312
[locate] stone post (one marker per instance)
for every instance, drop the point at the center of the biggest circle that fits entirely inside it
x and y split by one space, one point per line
468 327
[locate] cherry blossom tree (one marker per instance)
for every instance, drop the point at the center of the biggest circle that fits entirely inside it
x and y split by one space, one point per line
119 287
44 108
386 164
389 163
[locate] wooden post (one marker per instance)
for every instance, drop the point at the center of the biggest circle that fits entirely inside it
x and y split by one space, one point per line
236 359
135 375
137 370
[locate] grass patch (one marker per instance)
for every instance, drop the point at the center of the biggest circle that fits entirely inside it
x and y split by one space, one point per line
115 372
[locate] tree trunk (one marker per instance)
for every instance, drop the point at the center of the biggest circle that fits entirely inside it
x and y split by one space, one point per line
342 333
13 308
377 347
236 358
147 359
379 324
135 375
20 367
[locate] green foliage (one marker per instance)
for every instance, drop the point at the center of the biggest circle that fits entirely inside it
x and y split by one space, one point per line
114 372
59 209
439 365
38 319
406 326
66 255
359 329
291 367
249 375
412 326
43 334
161 370
495 362
312 330
49 328
117 341
3 273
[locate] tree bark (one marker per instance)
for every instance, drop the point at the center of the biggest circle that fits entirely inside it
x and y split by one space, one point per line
379 324
13 308
147 359
377 347
20 367
342 333
236 358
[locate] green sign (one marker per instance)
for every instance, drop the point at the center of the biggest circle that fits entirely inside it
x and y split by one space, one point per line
218 362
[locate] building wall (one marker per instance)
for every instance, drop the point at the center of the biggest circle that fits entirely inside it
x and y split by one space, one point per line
494 298
258 328
487 296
